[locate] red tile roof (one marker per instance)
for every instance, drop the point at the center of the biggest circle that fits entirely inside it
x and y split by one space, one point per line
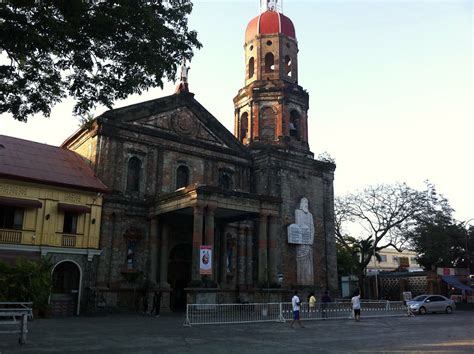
34 162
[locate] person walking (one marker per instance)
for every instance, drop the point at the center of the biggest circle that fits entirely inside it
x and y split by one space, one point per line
356 305
295 302
156 303
312 304
325 300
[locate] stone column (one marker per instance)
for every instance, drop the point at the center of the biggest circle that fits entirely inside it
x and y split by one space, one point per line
286 119
279 121
236 124
241 259
262 249
304 128
223 256
153 249
249 256
164 257
209 236
255 121
197 242
273 236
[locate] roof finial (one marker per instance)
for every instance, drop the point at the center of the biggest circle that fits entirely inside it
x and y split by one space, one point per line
270 5
183 80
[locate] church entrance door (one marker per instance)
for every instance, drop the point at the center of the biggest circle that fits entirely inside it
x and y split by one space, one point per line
179 275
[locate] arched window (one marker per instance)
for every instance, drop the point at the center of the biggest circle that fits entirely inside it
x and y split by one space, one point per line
269 63
295 122
244 126
267 124
288 66
251 67
133 174
182 177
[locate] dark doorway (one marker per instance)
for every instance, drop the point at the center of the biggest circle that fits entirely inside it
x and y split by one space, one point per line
65 293
179 275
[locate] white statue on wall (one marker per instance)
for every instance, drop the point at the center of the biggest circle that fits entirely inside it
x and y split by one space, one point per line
304 251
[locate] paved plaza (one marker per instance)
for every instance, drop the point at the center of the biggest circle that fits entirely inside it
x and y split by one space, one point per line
138 334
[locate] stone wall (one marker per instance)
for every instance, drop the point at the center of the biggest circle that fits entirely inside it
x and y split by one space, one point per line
291 178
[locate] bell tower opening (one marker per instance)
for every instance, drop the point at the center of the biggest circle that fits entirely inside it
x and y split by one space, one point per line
251 67
269 63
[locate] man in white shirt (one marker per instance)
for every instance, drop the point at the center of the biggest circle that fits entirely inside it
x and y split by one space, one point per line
356 305
295 302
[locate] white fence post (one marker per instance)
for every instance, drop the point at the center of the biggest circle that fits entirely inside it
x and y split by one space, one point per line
281 318
187 323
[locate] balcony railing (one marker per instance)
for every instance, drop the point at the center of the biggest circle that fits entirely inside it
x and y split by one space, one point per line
68 241
29 237
10 236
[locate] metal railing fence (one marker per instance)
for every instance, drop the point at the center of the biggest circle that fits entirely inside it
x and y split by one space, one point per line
233 313
197 314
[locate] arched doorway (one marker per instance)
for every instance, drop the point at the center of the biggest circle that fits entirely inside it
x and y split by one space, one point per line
179 275
66 289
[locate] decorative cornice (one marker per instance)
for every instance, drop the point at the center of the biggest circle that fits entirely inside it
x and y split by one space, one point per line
44 250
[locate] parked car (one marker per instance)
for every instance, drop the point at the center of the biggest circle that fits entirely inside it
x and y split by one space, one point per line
431 303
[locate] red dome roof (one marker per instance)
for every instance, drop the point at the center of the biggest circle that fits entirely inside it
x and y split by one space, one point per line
270 22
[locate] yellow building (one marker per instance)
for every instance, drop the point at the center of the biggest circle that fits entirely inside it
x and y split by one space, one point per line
50 206
392 260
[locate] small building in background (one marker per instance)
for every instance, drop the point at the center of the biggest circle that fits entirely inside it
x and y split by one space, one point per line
50 206
392 260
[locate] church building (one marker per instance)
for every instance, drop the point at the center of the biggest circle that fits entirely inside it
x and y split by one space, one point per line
206 216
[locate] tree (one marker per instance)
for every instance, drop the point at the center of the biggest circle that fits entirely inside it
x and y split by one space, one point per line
350 253
95 51
378 217
26 281
439 244
347 257
437 238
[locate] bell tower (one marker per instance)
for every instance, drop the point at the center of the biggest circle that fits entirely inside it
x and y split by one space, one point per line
272 108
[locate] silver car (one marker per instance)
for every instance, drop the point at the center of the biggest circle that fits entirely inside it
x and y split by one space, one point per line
431 303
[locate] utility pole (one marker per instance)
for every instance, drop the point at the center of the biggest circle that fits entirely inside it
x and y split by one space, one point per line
376 276
468 257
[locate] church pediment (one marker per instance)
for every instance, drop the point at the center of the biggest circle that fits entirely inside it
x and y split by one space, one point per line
182 122
178 115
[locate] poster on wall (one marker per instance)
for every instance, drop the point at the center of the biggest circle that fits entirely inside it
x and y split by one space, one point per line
205 260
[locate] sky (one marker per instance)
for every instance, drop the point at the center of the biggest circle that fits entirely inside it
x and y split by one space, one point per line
390 85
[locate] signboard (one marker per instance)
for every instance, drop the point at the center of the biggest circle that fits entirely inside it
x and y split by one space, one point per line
205 260
407 296
299 234
452 271
445 271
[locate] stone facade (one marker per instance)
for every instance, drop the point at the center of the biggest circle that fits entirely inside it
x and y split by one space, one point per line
180 180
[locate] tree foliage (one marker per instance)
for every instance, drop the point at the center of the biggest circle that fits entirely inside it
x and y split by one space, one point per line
26 281
439 244
351 253
437 238
95 51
